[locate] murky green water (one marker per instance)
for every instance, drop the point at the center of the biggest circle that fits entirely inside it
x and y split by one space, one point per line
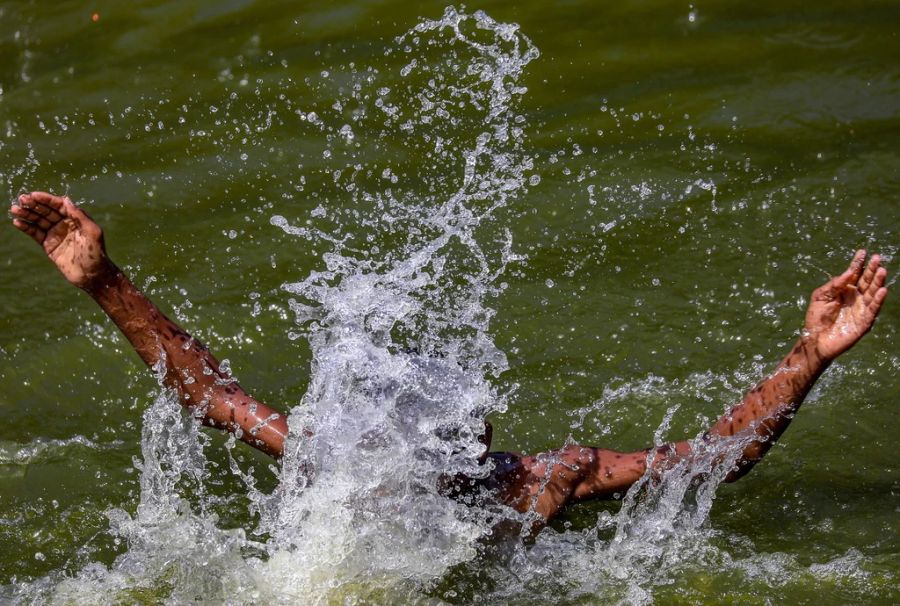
702 168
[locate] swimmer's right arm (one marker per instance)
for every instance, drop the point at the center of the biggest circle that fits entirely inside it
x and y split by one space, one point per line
840 313
74 243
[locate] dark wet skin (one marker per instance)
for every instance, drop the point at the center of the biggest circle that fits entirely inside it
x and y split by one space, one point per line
840 313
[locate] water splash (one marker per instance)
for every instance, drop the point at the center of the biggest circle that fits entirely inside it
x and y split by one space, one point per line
398 323
399 329
40 450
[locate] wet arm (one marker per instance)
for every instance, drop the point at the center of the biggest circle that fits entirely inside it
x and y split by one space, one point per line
212 395
74 243
840 313
578 473
765 412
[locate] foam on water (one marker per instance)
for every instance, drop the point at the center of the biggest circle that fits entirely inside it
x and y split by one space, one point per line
12 453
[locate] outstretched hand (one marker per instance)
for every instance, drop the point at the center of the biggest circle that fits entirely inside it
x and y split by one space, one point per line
843 310
67 234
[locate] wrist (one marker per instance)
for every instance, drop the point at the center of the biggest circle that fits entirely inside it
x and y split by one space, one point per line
106 278
807 346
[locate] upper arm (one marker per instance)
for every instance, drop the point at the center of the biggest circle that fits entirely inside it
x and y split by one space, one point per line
608 474
546 482
214 395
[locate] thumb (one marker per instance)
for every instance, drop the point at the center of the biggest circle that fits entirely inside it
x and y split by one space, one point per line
70 210
73 211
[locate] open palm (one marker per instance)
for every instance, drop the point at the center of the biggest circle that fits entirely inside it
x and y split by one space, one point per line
66 233
843 310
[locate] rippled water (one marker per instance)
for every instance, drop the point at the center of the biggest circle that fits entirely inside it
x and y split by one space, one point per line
597 225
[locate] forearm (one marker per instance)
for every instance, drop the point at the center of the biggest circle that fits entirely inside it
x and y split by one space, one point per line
767 410
762 416
188 366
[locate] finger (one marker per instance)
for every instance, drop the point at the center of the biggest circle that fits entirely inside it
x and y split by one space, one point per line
19 211
834 287
44 211
877 301
42 197
31 217
877 283
45 204
31 229
70 209
826 292
867 276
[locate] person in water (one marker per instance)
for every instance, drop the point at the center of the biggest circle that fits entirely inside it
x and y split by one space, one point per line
840 313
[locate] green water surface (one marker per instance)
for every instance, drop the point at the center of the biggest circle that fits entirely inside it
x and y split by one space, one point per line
736 154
